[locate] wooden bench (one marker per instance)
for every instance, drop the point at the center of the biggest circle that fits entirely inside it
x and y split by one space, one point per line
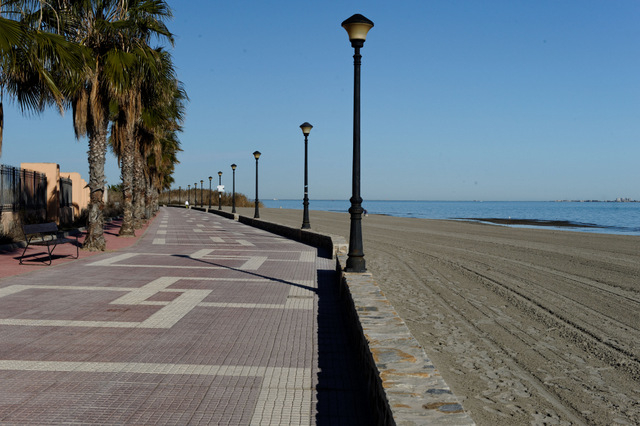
46 234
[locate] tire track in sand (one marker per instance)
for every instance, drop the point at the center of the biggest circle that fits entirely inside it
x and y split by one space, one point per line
492 326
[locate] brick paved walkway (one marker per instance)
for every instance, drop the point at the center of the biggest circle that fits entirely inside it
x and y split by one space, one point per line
203 321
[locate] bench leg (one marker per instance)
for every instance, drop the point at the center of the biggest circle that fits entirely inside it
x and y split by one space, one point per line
50 250
23 252
77 244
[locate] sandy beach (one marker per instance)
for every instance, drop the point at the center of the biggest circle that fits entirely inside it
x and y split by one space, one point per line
527 326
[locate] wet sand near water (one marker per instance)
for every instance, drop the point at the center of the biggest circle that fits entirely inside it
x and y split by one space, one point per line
527 326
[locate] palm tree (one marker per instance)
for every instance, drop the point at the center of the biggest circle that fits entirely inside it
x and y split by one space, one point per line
164 100
105 28
161 153
138 122
36 65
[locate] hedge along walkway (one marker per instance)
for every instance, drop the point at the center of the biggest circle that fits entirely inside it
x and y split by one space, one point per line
203 321
9 254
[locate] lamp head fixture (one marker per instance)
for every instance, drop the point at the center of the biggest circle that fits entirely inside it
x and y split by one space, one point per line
233 167
306 128
256 154
357 27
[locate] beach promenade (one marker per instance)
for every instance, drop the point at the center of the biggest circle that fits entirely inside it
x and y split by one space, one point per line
202 320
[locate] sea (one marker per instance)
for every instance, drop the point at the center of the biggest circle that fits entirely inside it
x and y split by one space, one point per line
598 217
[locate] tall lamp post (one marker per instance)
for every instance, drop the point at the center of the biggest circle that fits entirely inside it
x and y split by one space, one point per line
201 197
357 27
189 194
257 213
210 177
233 197
306 129
219 190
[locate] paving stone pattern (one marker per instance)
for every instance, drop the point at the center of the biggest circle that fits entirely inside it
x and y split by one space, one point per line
204 321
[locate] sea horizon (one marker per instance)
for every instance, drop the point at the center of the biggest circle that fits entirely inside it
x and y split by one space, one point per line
606 216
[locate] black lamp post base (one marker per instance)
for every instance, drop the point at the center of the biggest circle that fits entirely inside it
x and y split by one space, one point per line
306 223
356 264
355 259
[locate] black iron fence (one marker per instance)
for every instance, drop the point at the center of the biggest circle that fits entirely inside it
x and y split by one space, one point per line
22 189
66 199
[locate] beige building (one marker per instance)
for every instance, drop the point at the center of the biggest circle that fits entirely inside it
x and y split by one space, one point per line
80 193
67 195
78 199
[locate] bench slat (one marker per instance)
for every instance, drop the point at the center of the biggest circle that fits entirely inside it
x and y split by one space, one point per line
40 228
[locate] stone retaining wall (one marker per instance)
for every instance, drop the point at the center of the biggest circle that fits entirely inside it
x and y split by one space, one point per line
406 386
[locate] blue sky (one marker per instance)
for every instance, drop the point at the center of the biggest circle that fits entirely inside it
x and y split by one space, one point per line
461 100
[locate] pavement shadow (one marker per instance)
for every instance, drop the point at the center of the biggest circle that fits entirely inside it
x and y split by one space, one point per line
266 277
341 389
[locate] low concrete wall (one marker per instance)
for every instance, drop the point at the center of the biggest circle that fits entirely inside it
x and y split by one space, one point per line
403 384
330 245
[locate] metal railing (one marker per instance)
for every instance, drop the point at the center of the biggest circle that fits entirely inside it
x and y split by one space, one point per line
22 189
66 199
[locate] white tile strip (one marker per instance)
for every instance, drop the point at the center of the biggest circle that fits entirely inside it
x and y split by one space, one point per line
200 254
139 295
68 323
307 256
170 314
300 304
13 289
253 263
241 305
285 398
113 259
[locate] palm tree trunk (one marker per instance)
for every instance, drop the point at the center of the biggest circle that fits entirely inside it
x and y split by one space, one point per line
149 211
139 192
128 224
97 156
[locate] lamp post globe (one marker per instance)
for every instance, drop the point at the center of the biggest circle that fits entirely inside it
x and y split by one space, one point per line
357 27
256 215
306 129
219 190
233 197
